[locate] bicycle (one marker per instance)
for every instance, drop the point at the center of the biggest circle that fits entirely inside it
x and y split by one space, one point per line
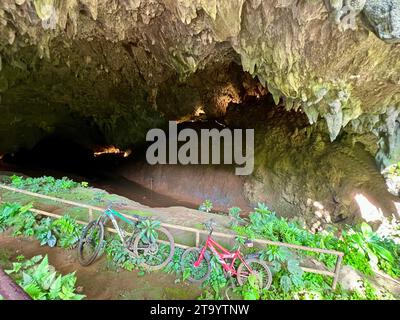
198 261
149 243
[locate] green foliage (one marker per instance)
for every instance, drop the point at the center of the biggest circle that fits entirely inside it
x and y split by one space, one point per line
251 289
148 230
236 220
285 266
84 184
394 169
206 206
67 231
44 233
217 279
42 282
18 217
45 184
7 211
117 253
174 266
362 249
214 285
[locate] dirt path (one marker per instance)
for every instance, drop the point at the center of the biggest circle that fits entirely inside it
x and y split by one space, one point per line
97 280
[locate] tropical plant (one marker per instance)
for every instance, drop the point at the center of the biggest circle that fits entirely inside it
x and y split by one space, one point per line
368 244
18 217
42 282
43 184
117 253
234 214
148 230
251 289
206 206
67 231
44 233
285 266
174 266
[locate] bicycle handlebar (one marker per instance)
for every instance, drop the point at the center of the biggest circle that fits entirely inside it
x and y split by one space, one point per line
141 218
210 224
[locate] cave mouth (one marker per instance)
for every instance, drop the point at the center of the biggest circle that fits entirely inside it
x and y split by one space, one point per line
108 166
296 165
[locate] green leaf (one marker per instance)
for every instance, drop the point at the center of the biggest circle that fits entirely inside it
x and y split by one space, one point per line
286 283
55 288
382 252
26 279
366 229
34 291
48 280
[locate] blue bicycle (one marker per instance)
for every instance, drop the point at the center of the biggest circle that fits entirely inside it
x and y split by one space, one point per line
152 243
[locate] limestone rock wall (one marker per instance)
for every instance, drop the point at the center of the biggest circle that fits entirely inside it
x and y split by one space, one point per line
111 63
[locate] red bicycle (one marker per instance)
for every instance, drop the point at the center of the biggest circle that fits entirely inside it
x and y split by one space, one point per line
197 262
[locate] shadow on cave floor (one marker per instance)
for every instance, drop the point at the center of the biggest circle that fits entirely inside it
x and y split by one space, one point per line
56 158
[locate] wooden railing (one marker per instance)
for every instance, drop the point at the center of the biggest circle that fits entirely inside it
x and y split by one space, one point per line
93 209
9 290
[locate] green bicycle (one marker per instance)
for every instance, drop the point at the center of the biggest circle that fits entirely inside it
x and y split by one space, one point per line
149 241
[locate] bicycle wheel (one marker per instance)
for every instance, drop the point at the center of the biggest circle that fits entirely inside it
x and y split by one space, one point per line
196 274
155 255
259 268
90 243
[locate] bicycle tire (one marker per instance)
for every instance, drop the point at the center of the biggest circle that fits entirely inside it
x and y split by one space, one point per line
169 258
93 224
206 259
243 279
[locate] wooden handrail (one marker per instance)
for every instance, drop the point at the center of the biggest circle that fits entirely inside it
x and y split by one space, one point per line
9 290
197 232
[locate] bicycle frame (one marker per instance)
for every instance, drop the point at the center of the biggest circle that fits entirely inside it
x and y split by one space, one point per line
111 214
221 254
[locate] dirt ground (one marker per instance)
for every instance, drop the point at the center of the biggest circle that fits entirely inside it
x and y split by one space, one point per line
98 281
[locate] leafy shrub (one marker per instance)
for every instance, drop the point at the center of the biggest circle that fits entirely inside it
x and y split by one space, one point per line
20 218
67 231
42 282
234 214
148 230
284 266
362 249
174 266
251 289
206 206
44 233
45 184
117 253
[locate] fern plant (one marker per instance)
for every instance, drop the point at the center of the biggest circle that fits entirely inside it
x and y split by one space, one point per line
42 282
